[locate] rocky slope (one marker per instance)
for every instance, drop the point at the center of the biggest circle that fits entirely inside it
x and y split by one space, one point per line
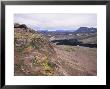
33 53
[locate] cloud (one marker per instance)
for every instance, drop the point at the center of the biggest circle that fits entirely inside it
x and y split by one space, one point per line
57 20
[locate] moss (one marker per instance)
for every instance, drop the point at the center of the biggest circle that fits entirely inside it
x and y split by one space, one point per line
47 68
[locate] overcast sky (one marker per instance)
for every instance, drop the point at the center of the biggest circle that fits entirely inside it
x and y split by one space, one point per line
56 21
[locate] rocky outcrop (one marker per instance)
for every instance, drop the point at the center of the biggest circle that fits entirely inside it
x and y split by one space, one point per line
17 25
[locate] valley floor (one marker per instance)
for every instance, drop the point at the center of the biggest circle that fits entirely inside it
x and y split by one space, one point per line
77 60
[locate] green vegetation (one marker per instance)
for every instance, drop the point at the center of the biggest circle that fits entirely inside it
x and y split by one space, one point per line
36 43
47 68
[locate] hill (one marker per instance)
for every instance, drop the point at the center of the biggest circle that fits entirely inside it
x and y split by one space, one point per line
86 30
36 55
33 53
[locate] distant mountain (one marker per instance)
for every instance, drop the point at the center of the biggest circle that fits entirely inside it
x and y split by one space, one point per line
42 30
79 30
64 30
86 30
55 30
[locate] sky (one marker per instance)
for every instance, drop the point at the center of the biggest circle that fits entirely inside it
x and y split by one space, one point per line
56 21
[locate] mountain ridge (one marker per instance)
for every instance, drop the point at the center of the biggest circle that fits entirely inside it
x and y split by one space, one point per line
86 30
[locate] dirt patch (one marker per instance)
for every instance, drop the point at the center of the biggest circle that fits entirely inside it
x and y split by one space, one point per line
76 60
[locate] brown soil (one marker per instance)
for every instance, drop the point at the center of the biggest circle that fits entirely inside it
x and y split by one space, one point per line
77 60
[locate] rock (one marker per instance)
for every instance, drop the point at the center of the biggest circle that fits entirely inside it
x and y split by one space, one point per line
16 25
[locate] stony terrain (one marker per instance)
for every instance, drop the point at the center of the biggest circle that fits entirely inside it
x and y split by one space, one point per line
35 55
77 60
